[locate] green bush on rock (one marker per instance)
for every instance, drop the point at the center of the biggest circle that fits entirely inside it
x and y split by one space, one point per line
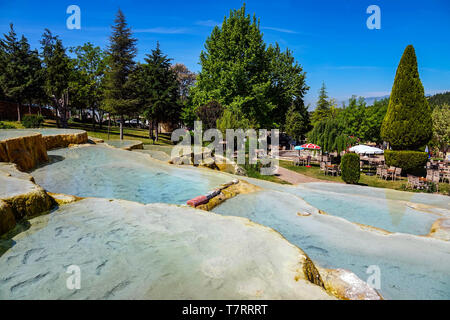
32 121
407 160
350 168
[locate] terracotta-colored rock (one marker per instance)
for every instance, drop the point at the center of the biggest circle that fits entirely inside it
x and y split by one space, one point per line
26 151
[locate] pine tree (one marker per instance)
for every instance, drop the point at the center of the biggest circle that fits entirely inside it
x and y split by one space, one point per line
122 51
15 76
57 74
407 124
162 89
322 110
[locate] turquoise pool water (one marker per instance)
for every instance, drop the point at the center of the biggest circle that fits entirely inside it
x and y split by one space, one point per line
99 171
411 267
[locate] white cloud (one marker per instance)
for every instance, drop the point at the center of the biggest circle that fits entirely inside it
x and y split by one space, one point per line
207 23
163 30
279 30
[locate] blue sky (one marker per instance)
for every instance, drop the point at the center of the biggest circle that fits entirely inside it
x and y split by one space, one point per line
329 39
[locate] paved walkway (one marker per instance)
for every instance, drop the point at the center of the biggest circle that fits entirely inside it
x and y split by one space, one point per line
295 178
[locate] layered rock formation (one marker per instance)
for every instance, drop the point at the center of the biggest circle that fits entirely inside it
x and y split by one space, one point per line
20 197
65 139
26 150
216 162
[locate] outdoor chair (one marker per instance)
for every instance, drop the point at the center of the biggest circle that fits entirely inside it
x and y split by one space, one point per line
436 179
430 174
417 183
379 171
323 167
397 173
410 181
333 171
384 173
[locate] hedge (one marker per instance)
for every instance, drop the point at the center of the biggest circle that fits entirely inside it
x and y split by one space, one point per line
32 121
350 168
407 160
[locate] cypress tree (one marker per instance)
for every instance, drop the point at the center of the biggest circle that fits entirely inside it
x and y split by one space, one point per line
407 124
121 51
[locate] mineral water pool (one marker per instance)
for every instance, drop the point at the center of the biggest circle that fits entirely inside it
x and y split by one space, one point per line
99 171
411 267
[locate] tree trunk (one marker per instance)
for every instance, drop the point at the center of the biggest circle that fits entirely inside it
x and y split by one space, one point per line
121 127
150 130
29 107
109 123
93 118
100 120
18 112
156 135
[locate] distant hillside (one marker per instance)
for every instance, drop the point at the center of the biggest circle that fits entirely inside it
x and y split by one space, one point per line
439 99
370 100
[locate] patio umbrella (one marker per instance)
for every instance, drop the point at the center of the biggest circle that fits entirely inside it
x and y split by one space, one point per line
298 148
363 149
311 146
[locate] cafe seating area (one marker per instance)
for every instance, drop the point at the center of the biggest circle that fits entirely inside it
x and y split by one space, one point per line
389 173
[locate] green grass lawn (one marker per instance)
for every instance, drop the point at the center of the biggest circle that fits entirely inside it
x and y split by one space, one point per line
14 124
253 172
114 134
371 181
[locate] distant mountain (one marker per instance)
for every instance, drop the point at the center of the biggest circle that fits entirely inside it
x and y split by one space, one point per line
370 100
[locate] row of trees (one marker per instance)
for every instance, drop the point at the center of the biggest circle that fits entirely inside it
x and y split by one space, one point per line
243 83
87 77
335 129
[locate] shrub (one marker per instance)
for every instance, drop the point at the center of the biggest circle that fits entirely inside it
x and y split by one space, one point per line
32 121
407 123
6 126
409 161
350 168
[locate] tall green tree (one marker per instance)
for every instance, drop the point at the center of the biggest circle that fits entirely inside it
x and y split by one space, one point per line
158 87
235 70
287 83
441 126
16 71
323 106
373 118
57 67
122 51
89 67
407 124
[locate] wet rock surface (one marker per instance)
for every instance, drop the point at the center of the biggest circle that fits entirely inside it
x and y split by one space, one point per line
20 196
127 250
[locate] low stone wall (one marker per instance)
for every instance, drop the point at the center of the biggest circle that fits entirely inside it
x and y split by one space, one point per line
65 139
25 151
